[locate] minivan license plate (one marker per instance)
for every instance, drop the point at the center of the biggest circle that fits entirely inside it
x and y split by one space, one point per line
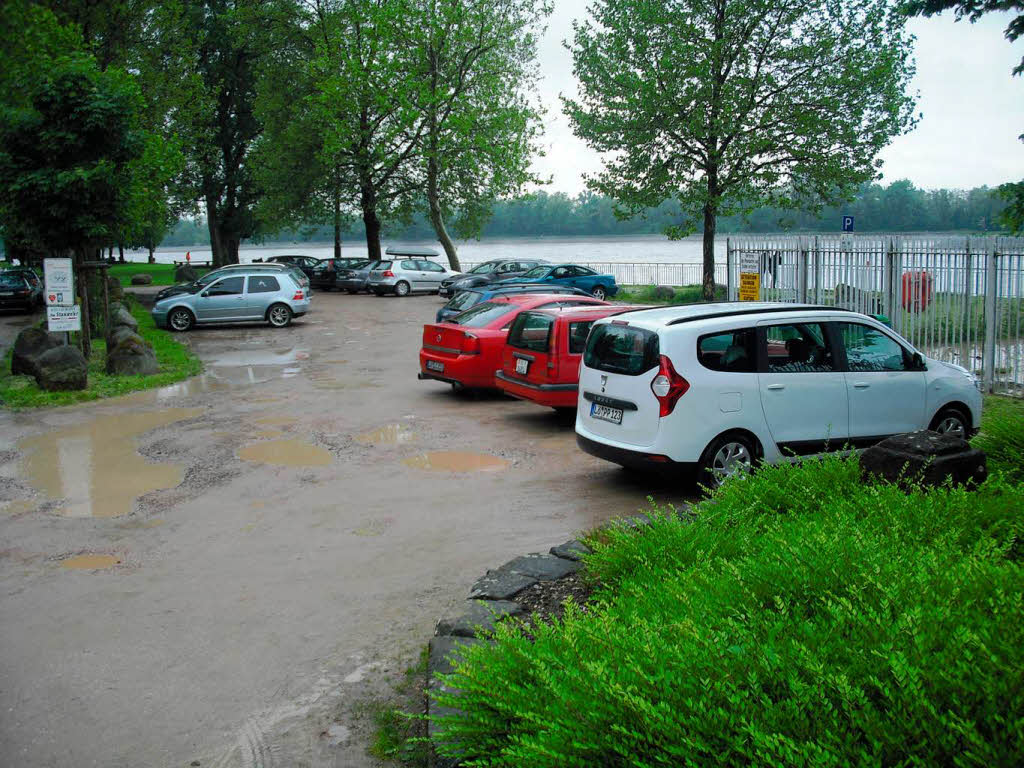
604 413
522 365
433 365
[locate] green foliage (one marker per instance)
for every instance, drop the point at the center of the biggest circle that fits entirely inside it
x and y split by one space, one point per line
798 617
176 361
1012 216
68 159
1002 436
646 294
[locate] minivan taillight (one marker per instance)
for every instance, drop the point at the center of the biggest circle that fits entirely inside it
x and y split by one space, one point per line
470 344
387 273
299 296
668 386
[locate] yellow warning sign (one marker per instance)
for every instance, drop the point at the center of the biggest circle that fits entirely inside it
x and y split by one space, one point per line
750 286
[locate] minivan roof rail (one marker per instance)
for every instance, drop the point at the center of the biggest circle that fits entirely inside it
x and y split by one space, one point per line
756 311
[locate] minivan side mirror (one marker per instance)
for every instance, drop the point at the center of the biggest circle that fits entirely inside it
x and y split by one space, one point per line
918 362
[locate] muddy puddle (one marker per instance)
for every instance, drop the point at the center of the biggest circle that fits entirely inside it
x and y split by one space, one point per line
90 562
95 468
456 461
238 358
390 434
286 453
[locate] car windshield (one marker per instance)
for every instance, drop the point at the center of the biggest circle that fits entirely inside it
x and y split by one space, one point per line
538 271
464 300
485 268
483 314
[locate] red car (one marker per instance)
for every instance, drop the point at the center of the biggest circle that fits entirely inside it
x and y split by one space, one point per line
541 359
466 350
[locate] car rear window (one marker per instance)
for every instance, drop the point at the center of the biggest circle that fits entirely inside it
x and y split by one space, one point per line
578 336
12 282
621 349
483 313
464 300
531 331
380 266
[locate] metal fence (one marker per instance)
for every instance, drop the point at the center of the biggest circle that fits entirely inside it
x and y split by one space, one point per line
647 273
959 299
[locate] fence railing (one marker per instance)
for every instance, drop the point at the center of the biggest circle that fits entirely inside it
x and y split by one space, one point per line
648 273
958 299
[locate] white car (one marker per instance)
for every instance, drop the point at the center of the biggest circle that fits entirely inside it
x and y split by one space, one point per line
407 275
717 387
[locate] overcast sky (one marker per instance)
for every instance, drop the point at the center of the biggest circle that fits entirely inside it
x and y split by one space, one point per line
973 110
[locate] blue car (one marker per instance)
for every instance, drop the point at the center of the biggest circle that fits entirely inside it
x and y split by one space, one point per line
463 300
570 276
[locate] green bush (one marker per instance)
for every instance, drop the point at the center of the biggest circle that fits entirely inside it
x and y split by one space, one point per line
1002 436
798 617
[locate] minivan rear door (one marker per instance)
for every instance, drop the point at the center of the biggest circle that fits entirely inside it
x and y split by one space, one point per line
803 390
616 401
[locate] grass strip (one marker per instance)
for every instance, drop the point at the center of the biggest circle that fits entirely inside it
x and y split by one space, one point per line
176 360
162 274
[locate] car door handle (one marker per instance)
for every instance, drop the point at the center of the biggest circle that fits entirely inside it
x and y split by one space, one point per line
860 385
776 387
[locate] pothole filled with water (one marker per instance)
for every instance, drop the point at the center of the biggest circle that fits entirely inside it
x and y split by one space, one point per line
390 434
456 461
286 453
89 562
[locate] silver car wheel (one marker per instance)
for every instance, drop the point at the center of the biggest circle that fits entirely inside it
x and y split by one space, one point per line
599 293
952 425
731 459
279 316
401 288
180 320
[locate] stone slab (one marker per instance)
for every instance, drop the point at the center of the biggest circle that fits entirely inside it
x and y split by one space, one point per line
501 584
571 550
925 457
476 614
542 567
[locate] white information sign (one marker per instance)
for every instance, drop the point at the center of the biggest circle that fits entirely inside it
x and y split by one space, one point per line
64 318
58 275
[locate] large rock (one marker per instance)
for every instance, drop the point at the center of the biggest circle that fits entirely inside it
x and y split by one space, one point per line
185 273
61 368
477 614
142 278
119 333
663 292
131 357
30 344
114 289
121 316
924 457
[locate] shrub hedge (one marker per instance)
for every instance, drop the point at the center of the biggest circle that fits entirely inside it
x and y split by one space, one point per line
799 617
1002 436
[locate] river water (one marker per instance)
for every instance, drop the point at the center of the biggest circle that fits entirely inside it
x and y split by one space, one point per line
646 249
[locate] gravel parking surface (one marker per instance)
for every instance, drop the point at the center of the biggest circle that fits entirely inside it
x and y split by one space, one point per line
225 571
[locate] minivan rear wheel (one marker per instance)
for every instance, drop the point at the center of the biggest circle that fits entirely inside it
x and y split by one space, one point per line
727 456
279 315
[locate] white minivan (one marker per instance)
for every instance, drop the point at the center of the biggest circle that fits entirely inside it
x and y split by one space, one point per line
717 387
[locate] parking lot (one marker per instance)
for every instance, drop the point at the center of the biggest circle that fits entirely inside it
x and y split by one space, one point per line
226 570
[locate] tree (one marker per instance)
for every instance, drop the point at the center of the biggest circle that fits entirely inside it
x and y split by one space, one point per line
364 100
478 72
724 105
69 160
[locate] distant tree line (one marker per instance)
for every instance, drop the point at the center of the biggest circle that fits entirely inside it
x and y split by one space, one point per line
897 207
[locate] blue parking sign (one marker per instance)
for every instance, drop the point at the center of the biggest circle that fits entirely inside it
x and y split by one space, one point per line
847 223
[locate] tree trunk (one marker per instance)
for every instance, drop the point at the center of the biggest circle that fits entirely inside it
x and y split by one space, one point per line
337 223
120 252
83 293
231 254
213 224
710 221
368 201
152 258
437 217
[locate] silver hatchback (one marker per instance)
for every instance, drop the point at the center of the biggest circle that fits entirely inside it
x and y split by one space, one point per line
243 295
404 276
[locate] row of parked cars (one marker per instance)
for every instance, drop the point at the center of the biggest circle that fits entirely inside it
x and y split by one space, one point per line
705 390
